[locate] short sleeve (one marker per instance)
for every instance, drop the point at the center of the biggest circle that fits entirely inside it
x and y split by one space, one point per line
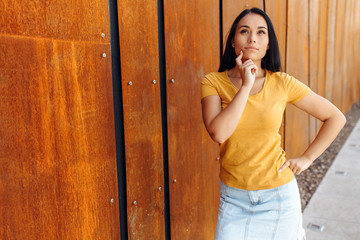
208 88
295 89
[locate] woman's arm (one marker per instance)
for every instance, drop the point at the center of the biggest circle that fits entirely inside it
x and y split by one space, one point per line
222 123
333 121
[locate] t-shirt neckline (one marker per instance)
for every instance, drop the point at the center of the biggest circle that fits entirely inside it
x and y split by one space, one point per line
250 95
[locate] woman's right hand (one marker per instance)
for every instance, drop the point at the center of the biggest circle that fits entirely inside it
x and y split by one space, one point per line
247 70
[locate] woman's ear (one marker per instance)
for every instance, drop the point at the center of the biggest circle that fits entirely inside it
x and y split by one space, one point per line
232 43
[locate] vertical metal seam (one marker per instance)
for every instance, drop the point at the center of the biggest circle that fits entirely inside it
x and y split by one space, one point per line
309 83
163 102
221 28
264 6
285 61
118 117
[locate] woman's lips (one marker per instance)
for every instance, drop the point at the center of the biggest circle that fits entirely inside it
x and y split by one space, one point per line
251 48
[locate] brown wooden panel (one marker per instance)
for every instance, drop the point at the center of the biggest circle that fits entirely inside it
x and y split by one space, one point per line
192 50
232 8
57 143
297 65
142 118
61 19
276 10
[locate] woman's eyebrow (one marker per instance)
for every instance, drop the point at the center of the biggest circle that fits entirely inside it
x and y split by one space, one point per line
246 26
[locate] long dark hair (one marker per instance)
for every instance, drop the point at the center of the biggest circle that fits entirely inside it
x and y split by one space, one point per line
271 60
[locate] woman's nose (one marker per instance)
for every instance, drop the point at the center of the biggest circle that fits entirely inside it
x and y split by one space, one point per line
252 38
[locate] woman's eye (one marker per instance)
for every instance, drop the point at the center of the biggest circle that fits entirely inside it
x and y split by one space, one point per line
261 32
244 31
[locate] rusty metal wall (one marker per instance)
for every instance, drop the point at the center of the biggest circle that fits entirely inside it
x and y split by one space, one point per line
139 54
58 175
57 143
192 49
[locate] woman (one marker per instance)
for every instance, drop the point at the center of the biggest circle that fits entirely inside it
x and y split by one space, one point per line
242 106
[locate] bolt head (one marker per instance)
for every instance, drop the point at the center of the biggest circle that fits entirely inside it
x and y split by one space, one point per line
103 35
104 55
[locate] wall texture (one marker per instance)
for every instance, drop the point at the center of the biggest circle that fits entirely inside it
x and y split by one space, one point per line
58 174
57 141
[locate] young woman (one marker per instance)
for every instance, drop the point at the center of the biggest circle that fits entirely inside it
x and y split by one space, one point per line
242 106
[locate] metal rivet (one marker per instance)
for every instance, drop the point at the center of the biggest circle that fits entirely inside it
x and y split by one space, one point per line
154 81
315 227
174 181
103 35
247 5
341 173
218 158
112 200
172 80
104 55
159 188
134 202
130 83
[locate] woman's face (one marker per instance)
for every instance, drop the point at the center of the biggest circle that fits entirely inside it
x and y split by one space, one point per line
251 37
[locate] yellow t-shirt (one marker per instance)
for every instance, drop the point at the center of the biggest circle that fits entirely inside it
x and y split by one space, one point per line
251 157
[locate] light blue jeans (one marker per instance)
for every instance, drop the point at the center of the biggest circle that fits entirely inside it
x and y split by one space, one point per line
271 214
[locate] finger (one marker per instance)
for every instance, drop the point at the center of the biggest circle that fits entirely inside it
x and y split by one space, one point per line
254 70
286 164
249 61
241 54
298 171
250 66
238 59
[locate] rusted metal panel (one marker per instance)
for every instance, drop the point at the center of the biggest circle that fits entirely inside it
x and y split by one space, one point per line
297 65
314 53
355 76
346 63
322 58
192 50
330 49
276 10
82 20
232 8
139 53
339 54
57 143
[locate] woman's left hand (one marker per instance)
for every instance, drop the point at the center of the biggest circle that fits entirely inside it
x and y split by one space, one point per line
297 165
